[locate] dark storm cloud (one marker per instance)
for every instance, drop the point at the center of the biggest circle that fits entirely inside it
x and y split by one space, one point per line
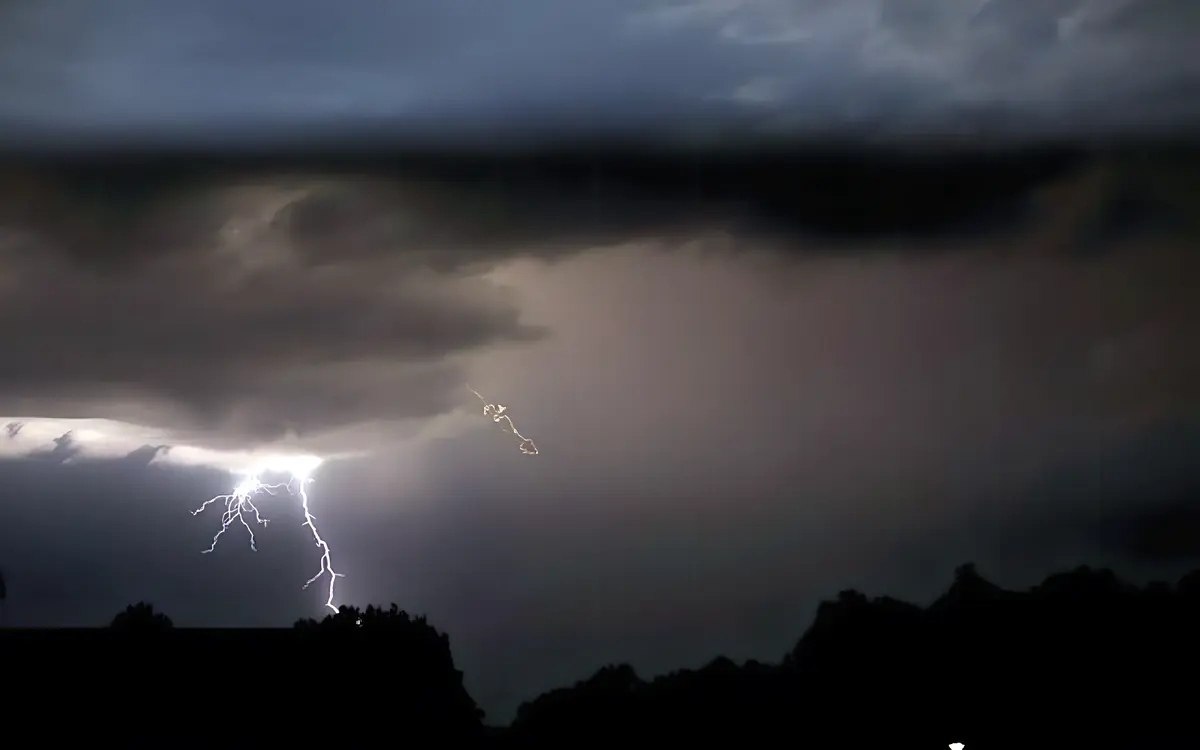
452 212
112 216
256 300
569 202
207 333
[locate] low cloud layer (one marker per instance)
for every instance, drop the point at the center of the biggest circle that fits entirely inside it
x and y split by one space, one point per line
228 335
238 309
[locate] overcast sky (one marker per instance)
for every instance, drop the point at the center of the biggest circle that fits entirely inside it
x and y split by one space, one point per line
752 384
674 69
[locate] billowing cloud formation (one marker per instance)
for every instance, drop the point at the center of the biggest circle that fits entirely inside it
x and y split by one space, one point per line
233 309
218 329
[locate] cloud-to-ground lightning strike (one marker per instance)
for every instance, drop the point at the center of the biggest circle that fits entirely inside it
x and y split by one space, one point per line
240 503
326 562
498 414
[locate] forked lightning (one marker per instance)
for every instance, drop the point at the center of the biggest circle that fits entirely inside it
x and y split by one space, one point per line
240 503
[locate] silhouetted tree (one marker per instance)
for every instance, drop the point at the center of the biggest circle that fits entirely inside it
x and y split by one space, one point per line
141 617
423 685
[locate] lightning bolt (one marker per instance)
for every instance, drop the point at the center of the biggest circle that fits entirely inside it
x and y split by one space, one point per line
326 563
498 414
237 504
240 507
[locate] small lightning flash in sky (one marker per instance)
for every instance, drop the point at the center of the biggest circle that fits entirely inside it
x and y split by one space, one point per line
237 504
240 507
499 415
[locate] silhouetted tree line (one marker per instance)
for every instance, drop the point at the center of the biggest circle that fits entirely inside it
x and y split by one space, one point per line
141 618
142 682
1082 660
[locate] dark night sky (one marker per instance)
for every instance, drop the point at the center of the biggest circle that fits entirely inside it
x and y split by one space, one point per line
754 380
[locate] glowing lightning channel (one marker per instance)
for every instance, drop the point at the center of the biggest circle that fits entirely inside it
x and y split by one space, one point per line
326 563
498 413
237 504
240 503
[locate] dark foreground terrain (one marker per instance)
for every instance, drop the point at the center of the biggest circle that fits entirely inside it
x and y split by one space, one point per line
1080 661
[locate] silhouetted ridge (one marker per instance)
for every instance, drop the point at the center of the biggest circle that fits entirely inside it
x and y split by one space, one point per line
1081 660
612 691
968 589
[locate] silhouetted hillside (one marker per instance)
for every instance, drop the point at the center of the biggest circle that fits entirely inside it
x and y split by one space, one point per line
1082 660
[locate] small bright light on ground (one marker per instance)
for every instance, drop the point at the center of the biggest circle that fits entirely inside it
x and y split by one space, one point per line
358 622
957 746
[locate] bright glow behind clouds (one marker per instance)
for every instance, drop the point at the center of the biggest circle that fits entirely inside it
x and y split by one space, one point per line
91 439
